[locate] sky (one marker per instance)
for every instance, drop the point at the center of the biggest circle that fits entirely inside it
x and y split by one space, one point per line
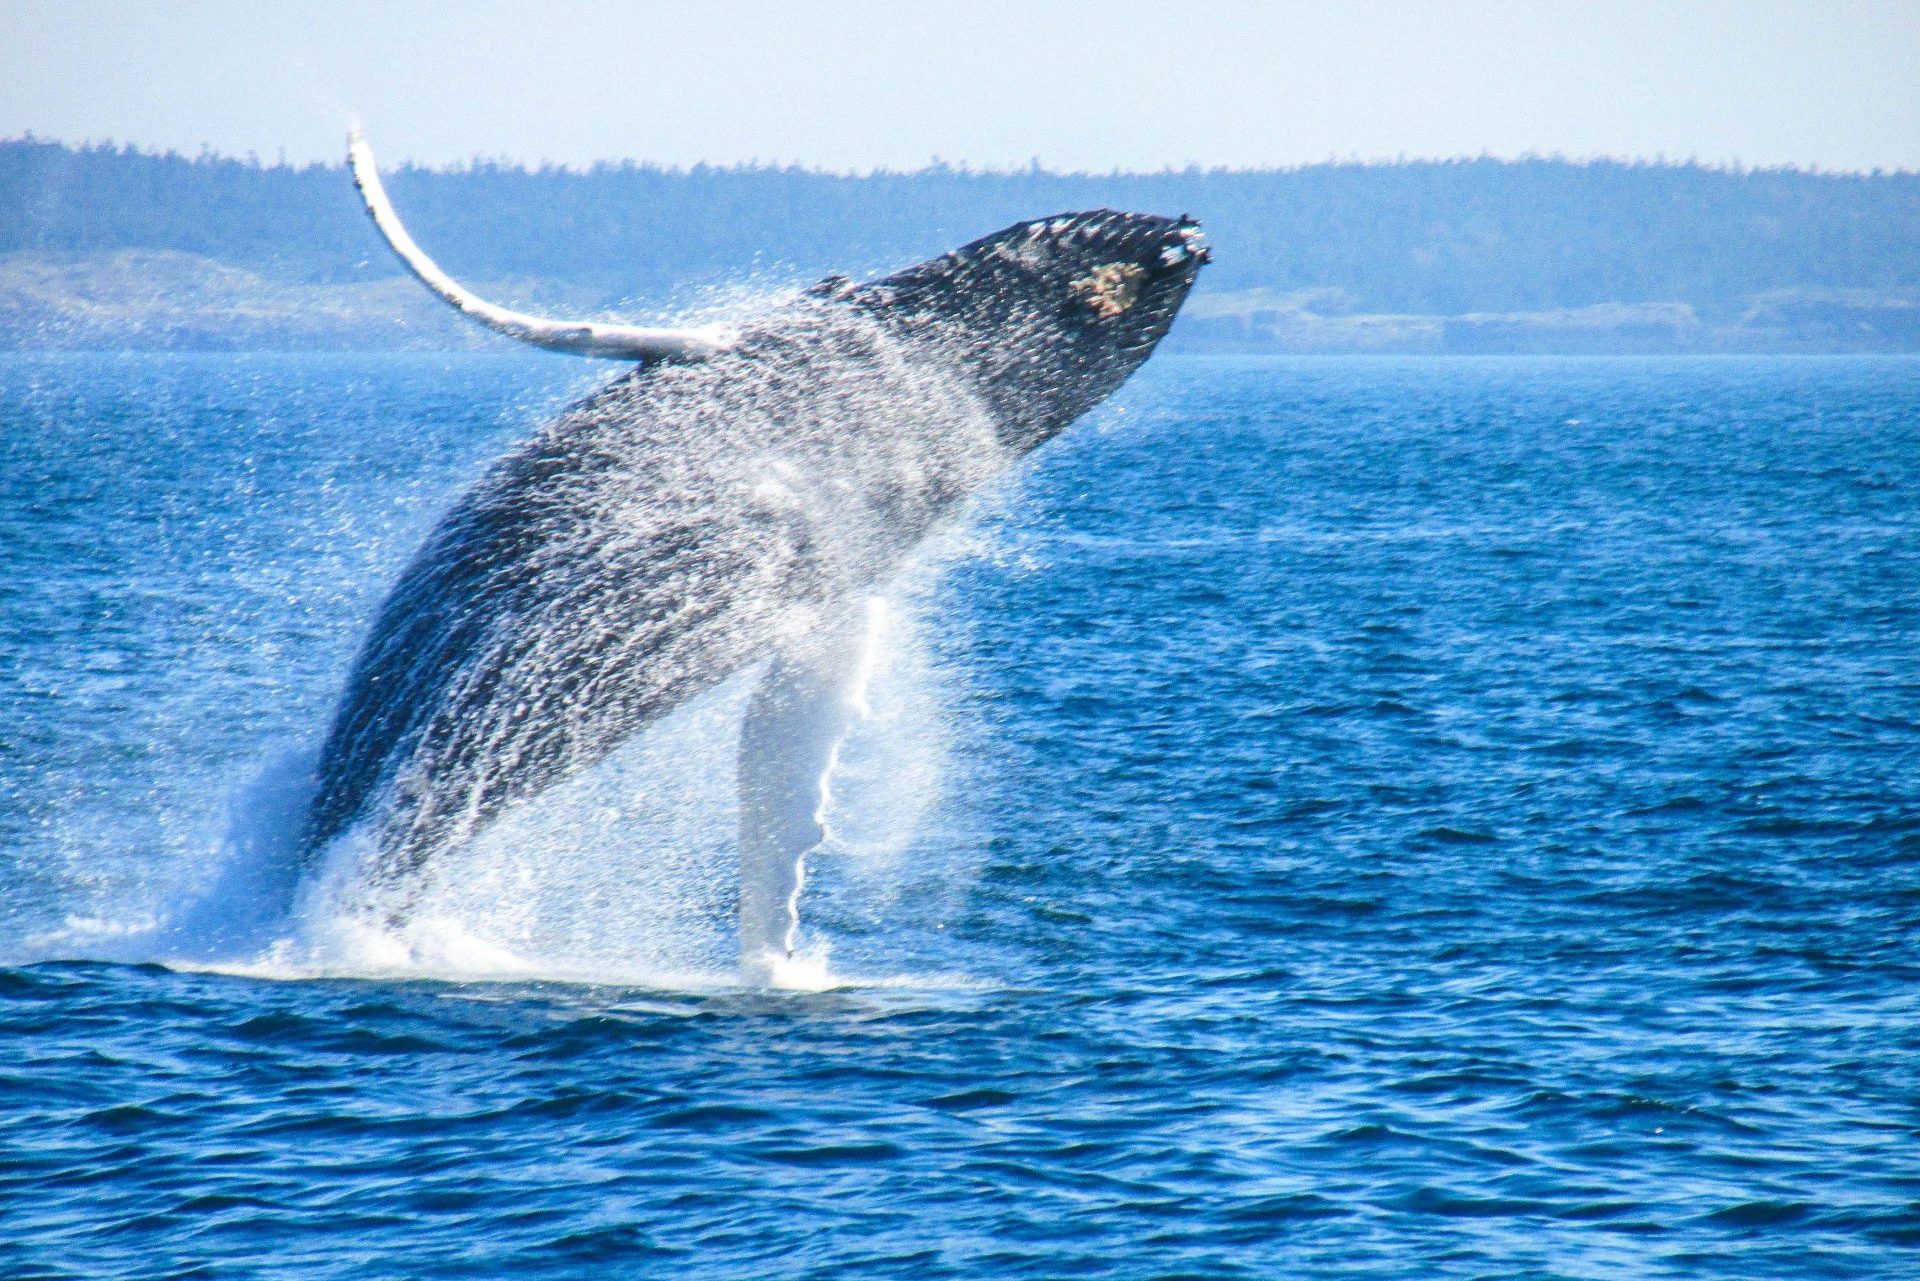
854 85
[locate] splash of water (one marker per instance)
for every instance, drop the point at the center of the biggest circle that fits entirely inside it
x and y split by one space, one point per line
624 874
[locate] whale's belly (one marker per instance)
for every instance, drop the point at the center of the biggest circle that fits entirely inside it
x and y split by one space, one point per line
663 535
507 657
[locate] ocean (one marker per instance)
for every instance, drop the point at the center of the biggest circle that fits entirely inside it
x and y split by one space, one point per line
1320 817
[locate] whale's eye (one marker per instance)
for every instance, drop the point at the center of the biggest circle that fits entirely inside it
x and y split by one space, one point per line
1111 289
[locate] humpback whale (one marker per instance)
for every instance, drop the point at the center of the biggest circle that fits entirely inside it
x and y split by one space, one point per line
730 502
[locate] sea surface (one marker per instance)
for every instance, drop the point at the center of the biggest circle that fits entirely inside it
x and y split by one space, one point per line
1319 818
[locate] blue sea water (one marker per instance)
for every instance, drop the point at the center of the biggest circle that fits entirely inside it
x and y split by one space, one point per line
1346 818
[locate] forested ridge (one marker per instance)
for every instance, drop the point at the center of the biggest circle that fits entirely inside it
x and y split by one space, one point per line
1427 236
1440 238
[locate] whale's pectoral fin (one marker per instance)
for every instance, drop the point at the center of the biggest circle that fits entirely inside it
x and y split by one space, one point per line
581 337
794 724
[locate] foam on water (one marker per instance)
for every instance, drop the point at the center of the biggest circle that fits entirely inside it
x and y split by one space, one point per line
624 874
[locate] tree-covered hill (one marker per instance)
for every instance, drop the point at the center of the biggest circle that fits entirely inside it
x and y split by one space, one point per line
1326 243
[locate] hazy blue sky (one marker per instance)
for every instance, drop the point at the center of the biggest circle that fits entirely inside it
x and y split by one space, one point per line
855 85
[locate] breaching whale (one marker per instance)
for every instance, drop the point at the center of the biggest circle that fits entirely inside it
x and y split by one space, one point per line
733 500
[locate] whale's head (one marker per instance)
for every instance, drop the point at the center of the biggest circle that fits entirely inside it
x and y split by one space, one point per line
1048 317
1045 318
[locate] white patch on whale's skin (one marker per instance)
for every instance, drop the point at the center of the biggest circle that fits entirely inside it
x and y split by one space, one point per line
1111 290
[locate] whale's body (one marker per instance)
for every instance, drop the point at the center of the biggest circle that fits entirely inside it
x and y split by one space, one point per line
706 513
673 528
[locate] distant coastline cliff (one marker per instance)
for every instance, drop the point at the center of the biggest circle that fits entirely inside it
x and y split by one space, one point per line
110 247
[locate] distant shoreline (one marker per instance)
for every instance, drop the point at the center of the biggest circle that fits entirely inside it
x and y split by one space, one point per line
104 245
168 301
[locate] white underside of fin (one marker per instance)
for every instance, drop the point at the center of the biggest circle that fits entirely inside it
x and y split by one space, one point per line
810 696
579 337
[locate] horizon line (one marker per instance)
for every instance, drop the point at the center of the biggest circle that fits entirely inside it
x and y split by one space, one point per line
939 165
